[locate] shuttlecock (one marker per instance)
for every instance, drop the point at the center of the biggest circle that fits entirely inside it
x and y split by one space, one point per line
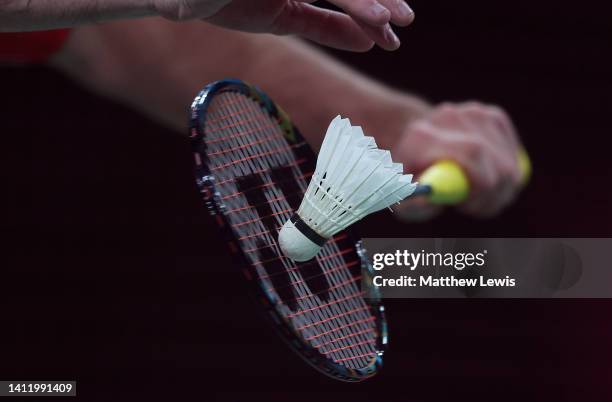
353 179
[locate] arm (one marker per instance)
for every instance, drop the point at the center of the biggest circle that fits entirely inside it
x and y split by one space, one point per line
157 67
363 22
26 15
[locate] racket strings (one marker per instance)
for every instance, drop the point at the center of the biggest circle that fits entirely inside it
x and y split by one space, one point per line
303 279
304 176
324 318
326 307
321 319
311 262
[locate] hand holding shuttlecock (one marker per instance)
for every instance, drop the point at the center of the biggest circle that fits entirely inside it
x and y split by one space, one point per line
353 179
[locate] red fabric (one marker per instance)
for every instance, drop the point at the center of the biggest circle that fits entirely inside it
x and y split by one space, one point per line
31 47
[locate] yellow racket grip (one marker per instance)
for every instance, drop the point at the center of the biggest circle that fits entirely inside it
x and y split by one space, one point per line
450 185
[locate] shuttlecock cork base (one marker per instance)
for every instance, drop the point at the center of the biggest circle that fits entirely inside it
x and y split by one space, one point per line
353 179
298 240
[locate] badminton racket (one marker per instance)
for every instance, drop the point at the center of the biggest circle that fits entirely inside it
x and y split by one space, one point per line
252 169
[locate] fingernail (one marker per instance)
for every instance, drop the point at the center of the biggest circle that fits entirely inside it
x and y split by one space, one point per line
378 11
404 10
392 37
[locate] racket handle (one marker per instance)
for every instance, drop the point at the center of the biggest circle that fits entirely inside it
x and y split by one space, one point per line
445 182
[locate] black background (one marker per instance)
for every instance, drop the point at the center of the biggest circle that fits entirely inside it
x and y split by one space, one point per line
113 276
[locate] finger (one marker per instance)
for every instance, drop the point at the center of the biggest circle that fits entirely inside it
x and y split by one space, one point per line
416 209
401 13
491 203
503 121
494 120
487 124
496 127
371 12
481 207
483 202
449 116
382 36
471 118
326 27
493 184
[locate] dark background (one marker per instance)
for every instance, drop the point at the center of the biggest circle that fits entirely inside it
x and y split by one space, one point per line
112 274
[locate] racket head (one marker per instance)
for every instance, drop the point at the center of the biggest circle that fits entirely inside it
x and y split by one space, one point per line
252 167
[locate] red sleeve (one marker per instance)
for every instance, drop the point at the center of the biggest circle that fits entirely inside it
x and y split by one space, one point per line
31 47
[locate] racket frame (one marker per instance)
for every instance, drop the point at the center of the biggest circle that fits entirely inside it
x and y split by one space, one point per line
205 181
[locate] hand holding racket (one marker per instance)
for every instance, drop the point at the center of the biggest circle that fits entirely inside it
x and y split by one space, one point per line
467 155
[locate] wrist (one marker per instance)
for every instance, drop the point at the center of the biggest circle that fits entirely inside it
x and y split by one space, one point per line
392 115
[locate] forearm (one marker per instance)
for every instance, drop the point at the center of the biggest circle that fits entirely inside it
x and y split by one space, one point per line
158 66
314 88
32 15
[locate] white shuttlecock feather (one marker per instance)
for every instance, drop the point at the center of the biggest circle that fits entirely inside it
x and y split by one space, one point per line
353 179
